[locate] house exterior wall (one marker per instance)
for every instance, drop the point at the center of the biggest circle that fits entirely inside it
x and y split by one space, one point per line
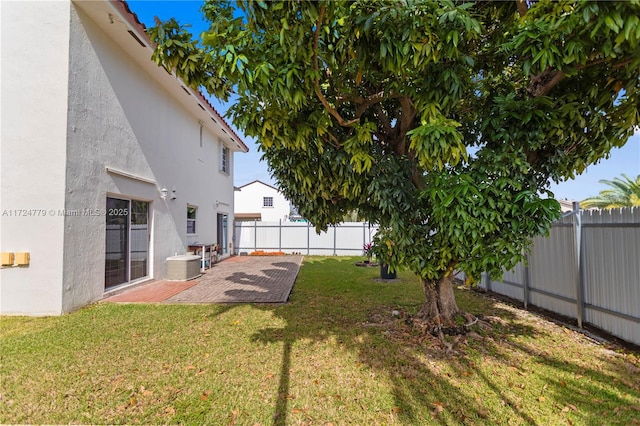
134 126
250 200
35 35
120 132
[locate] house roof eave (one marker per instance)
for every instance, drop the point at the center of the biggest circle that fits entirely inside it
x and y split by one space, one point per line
137 31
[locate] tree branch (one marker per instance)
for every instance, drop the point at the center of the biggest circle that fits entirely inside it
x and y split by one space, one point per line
603 60
542 83
364 103
384 120
416 179
407 115
336 142
317 88
521 5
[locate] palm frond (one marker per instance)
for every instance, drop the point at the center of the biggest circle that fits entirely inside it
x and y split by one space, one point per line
624 192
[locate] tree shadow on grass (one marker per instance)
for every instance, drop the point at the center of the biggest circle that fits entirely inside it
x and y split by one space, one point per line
428 386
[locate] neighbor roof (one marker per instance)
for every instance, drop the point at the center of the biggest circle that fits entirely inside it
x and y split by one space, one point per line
258 181
239 216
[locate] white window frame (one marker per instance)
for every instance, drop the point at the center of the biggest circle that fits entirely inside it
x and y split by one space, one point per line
192 220
225 158
265 204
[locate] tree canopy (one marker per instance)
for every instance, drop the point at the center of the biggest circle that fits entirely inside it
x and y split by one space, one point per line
442 121
624 192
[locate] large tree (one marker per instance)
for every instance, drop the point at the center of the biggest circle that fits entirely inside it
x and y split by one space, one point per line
444 122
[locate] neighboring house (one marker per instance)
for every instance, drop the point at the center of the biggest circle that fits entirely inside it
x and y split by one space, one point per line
259 201
109 163
566 206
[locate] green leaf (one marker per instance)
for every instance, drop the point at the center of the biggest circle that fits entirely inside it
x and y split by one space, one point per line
609 22
383 50
368 22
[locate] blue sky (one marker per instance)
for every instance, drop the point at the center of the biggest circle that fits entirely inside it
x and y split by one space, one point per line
248 167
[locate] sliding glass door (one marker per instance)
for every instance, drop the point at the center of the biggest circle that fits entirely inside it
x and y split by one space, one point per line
139 235
127 241
223 232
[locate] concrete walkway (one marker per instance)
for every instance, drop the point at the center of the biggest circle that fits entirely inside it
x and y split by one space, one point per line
239 279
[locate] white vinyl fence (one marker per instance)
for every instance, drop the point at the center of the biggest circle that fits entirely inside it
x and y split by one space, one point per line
345 239
588 269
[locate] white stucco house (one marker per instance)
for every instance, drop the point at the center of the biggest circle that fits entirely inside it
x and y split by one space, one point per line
109 164
259 201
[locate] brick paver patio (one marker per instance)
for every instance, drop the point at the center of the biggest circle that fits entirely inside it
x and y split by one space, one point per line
239 279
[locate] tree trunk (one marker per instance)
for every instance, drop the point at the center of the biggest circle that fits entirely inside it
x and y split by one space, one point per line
440 306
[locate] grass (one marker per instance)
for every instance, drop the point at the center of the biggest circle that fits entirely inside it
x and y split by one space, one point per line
334 354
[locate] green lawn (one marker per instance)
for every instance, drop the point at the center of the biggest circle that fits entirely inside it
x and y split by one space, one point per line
333 355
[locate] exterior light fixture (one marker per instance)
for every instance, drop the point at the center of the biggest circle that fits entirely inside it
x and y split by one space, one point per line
163 193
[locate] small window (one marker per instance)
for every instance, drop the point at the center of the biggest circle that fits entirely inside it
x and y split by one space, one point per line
267 202
191 219
225 166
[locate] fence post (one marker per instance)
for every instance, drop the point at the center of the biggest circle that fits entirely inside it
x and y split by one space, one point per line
364 234
308 238
255 235
335 232
279 234
577 230
525 281
485 279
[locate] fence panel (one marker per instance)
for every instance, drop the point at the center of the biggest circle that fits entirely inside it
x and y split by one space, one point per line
350 237
345 239
552 272
612 271
296 236
588 268
267 236
244 236
511 284
322 243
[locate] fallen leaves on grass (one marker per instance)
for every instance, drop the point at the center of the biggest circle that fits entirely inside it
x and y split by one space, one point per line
568 407
234 417
438 407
